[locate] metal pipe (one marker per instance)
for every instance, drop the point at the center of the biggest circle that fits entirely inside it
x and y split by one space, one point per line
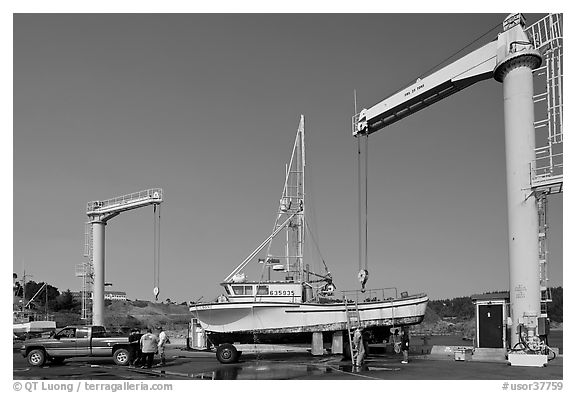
522 210
98 249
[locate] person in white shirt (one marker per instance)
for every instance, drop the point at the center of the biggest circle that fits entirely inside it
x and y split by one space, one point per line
148 346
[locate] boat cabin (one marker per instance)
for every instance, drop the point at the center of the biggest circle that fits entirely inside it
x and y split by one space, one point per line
269 291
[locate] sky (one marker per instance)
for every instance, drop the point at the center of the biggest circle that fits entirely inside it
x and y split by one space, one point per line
206 106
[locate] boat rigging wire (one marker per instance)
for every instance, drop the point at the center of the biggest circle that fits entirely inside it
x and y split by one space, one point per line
317 247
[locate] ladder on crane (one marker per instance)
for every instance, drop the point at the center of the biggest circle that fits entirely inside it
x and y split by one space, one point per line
85 271
545 294
353 322
547 171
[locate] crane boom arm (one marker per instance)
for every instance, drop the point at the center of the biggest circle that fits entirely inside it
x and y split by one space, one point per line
474 67
123 203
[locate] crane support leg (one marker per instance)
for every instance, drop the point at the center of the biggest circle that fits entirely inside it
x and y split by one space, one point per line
98 239
518 89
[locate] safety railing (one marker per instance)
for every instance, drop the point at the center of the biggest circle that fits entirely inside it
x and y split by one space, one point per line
547 169
546 33
152 194
372 295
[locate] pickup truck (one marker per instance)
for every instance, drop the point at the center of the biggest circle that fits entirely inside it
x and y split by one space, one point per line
76 341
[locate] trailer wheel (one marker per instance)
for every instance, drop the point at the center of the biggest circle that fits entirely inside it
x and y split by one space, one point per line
121 357
227 353
37 357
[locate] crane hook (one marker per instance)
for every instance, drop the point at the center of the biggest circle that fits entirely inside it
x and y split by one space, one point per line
363 277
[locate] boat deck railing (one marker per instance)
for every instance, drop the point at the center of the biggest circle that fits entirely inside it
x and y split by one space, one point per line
374 295
22 317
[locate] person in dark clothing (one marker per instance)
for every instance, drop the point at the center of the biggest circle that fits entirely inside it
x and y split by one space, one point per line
405 344
135 353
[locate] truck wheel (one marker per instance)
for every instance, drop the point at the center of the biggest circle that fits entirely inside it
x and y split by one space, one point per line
37 357
121 357
227 353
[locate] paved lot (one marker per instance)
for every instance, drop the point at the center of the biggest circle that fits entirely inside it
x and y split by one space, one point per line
186 365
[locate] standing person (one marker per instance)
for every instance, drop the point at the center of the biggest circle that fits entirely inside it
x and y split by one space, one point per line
162 341
135 353
359 345
405 344
148 346
396 341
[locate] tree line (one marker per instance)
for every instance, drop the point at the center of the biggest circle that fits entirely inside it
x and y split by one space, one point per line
57 301
462 308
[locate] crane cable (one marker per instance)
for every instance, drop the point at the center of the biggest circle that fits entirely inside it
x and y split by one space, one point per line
363 215
363 270
156 251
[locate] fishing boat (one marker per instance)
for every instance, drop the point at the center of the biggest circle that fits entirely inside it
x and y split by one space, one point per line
289 302
26 321
29 322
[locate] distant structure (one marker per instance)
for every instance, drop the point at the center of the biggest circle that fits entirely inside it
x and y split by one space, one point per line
108 295
114 295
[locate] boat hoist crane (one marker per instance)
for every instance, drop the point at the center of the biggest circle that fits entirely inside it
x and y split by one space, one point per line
510 60
99 213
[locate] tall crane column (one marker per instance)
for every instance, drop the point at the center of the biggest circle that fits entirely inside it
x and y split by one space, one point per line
515 62
98 257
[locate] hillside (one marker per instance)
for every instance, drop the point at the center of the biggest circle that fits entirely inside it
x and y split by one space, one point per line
123 315
145 314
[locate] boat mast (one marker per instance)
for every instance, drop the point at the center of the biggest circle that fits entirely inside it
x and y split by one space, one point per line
293 201
301 194
290 218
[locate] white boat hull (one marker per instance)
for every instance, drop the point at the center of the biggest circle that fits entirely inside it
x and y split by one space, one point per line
34 327
276 317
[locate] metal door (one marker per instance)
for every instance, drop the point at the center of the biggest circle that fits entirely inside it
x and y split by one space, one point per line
490 326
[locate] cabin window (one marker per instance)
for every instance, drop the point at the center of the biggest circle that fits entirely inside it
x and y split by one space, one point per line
98 331
262 290
248 290
67 333
238 289
227 291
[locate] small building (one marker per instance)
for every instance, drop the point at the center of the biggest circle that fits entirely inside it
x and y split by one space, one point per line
492 311
108 295
114 295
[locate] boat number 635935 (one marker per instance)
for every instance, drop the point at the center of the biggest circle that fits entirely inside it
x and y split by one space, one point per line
282 293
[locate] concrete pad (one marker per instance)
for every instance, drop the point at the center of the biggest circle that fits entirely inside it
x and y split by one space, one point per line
495 355
443 352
